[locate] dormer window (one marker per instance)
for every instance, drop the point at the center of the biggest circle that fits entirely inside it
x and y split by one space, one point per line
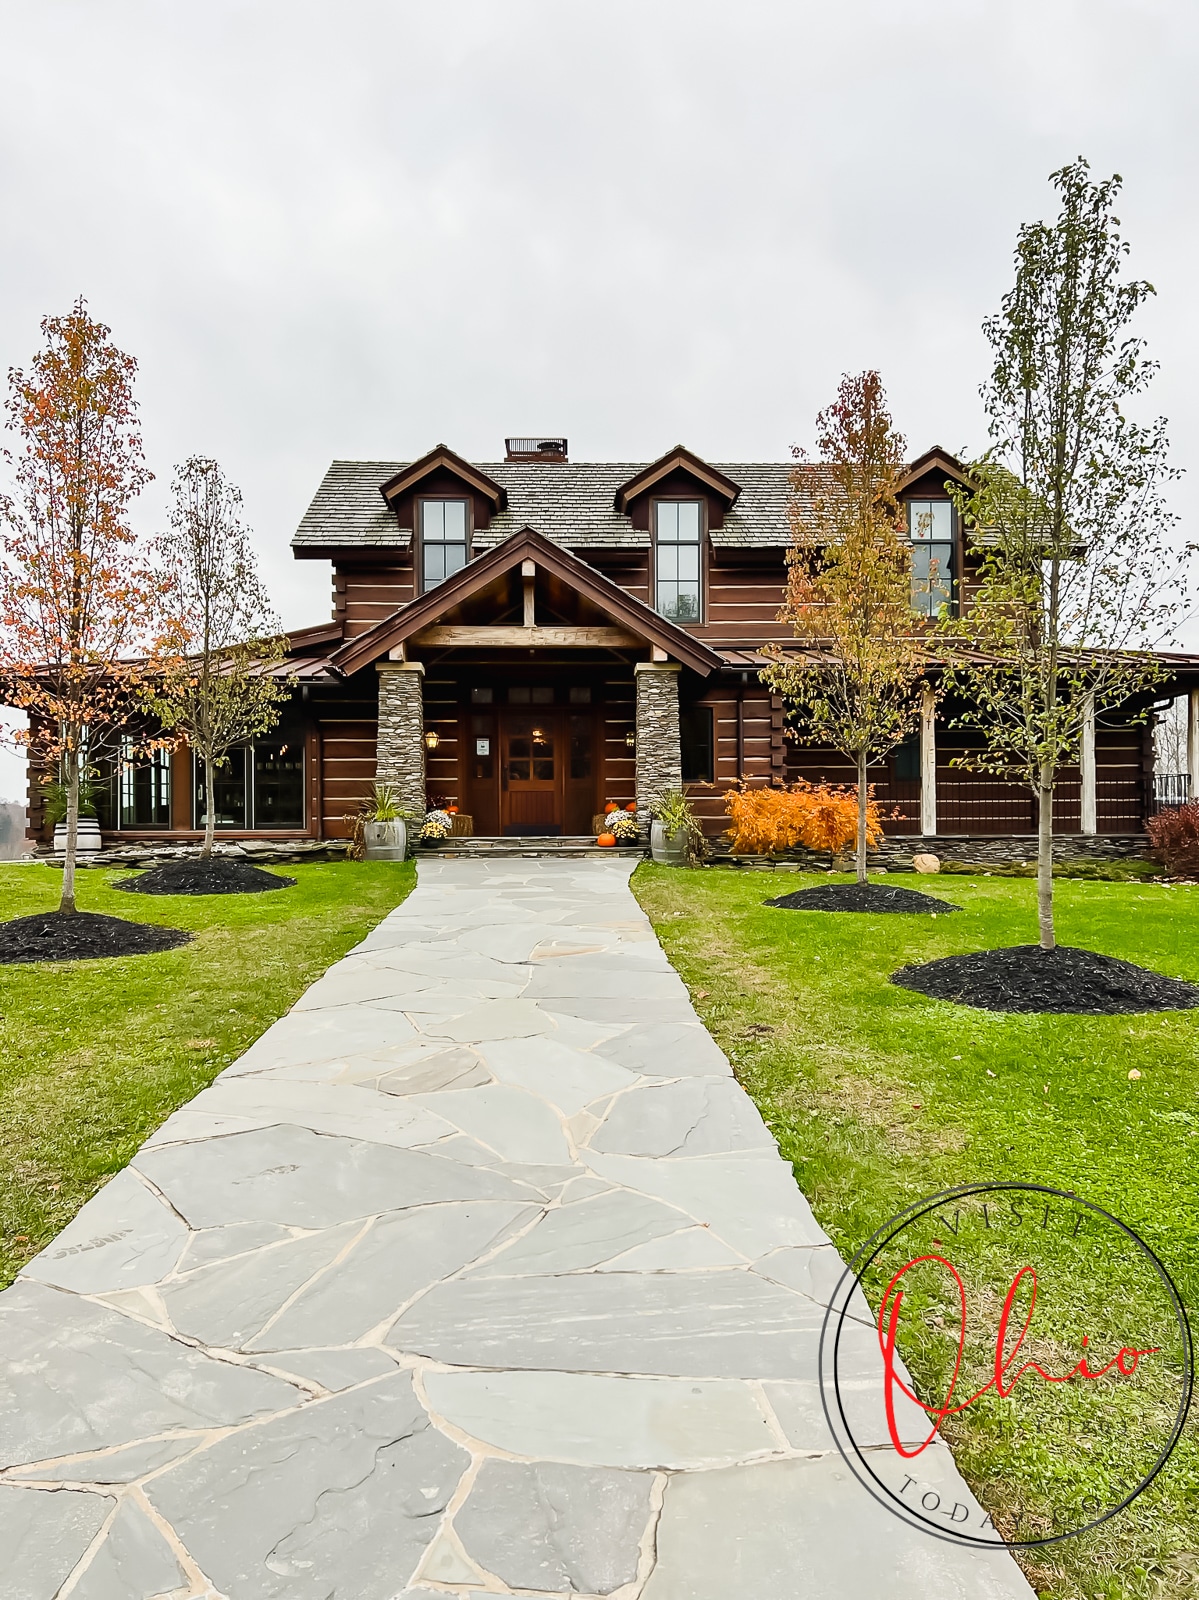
444 540
678 530
930 525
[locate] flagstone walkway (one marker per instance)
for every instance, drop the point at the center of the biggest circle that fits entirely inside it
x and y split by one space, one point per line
477 1274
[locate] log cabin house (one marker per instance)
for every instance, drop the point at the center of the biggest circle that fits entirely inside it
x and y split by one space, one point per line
530 638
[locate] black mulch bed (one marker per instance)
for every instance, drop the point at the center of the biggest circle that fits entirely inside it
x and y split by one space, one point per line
86 936
860 897
1064 980
218 875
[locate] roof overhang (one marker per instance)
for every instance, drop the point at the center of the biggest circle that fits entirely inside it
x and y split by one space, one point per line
934 460
680 459
442 458
628 613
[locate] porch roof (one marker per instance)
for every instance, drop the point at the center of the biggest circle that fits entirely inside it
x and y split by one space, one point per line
527 545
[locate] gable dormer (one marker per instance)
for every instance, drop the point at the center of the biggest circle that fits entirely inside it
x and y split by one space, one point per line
441 501
678 475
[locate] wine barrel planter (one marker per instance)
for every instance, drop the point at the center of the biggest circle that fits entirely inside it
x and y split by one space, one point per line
385 841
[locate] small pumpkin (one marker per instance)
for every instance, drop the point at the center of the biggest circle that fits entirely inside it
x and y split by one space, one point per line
606 839
632 806
610 808
451 811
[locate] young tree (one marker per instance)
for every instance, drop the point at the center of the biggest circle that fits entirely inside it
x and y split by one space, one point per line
219 688
75 600
858 684
1077 571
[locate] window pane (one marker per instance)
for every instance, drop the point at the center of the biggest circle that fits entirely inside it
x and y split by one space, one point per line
229 792
580 746
144 788
932 572
278 783
455 558
687 561
689 521
931 520
444 521
679 602
695 740
678 521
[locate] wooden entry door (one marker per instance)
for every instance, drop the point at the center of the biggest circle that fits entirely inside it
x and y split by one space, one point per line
531 772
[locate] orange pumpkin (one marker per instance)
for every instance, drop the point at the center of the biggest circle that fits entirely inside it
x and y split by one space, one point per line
632 806
606 839
610 808
451 811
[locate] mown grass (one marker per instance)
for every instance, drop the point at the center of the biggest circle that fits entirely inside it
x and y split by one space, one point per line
880 1096
94 1055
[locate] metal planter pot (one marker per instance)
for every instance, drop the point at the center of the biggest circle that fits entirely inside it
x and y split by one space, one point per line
385 841
667 852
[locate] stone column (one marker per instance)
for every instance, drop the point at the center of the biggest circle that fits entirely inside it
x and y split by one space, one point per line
659 757
1088 794
400 751
928 764
1193 744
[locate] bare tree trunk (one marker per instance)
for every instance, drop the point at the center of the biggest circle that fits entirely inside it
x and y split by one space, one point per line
209 809
862 803
67 904
1045 856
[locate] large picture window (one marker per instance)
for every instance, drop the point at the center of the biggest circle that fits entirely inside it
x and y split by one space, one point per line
135 789
444 540
930 524
678 528
261 786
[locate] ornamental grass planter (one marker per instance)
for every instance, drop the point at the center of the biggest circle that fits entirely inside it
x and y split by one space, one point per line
87 838
385 841
668 851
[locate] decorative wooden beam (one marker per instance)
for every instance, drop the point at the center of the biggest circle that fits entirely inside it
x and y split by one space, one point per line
517 638
528 574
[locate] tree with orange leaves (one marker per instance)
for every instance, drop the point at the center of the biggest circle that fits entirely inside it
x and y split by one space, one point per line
75 600
858 682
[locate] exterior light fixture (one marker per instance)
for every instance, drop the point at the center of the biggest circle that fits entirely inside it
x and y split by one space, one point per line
431 740
630 739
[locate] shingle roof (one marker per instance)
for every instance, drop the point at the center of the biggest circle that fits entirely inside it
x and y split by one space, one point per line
571 502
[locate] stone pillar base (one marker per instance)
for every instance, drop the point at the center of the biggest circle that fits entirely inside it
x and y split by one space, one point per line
400 750
659 755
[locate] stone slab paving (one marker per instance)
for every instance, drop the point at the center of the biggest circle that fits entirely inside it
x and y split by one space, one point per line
477 1274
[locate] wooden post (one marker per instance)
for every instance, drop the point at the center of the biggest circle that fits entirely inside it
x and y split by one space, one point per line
928 764
1086 765
1193 744
528 572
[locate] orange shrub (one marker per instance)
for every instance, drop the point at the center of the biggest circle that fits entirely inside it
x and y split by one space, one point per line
818 816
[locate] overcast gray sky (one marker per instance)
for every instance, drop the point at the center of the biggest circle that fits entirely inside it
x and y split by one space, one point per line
357 229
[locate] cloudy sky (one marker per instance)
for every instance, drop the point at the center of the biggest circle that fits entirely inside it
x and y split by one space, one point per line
358 229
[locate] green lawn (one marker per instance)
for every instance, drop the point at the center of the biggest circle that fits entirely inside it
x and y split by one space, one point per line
94 1055
880 1096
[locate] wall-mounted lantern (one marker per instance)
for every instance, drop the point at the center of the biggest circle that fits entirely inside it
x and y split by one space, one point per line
630 739
431 740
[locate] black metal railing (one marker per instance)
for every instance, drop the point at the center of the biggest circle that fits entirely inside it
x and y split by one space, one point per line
1170 789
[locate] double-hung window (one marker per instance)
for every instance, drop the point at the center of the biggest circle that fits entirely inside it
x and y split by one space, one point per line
678 528
930 525
444 540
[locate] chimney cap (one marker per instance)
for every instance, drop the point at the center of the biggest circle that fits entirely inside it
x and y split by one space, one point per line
536 447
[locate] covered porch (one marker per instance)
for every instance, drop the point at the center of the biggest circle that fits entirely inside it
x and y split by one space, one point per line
529 690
